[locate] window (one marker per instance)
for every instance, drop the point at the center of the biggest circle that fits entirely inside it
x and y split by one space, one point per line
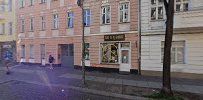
43 1
2 31
42 51
31 51
31 2
55 21
10 5
87 17
22 25
109 52
87 53
2 8
22 51
21 3
106 15
124 12
181 5
43 23
10 25
177 52
70 20
156 9
32 24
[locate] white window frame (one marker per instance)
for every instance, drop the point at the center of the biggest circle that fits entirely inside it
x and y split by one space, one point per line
23 51
10 25
55 21
106 14
181 3
176 53
22 4
32 51
86 17
70 19
156 6
32 24
43 23
22 25
43 1
124 10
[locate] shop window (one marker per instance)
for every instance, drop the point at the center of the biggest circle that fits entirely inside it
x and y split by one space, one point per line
87 53
22 51
109 52
31 51
177 52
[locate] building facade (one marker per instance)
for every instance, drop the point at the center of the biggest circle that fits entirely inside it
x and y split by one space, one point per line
54 27
7 28
187 48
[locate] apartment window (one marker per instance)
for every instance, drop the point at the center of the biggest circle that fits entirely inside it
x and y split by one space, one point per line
87 17
156 9
181 5
31 2
177 52
43 23
22 25
2 31
106 15
87 51
55 21
22 51
70 19
124 12
31 51
10 5
32 24
21 3
109 52
43 1
10 25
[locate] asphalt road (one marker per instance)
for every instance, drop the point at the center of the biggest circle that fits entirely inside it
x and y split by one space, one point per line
18 90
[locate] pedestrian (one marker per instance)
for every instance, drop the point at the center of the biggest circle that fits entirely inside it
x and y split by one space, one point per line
51 60
7 61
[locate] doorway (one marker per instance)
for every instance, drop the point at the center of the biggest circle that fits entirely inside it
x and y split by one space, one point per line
125 57
67 55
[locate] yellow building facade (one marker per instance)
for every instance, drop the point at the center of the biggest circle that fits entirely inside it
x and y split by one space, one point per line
7 28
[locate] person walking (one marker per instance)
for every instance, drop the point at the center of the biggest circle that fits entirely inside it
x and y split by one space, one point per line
51 60
7 61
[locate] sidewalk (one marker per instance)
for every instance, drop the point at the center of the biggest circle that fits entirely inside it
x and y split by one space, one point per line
137 83
69 77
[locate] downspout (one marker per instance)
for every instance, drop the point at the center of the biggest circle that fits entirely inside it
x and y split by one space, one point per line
139 36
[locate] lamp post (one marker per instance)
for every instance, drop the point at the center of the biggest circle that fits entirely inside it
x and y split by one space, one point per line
80 4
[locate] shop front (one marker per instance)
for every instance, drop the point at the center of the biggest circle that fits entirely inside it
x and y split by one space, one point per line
117 51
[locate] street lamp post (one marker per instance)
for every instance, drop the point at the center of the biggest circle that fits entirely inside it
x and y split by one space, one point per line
80 4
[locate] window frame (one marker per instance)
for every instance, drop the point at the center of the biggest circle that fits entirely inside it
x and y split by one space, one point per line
55 21
181 3
43 22
87 17
10 25
32 51
31 24
70 19
156 6
124 10
109 14
22 25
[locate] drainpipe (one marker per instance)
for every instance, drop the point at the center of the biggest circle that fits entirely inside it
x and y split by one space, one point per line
139 36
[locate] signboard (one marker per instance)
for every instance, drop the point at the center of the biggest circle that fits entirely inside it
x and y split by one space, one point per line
114 37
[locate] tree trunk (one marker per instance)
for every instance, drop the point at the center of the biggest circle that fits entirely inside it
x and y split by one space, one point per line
166 88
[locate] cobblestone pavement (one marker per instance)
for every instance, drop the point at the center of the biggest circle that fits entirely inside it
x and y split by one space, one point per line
17 90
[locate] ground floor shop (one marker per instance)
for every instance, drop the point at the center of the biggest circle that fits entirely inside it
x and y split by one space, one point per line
186 53
117 51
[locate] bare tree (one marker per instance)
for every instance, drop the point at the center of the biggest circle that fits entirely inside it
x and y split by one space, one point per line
169 8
